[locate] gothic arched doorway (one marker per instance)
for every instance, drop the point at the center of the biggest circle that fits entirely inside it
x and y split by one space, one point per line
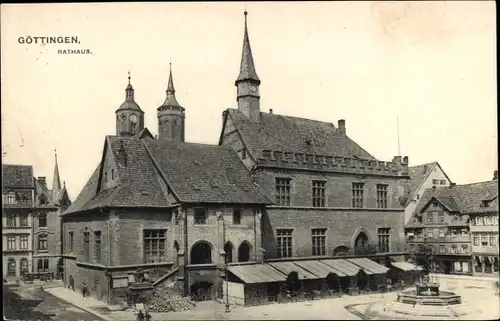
201 253
244 252
228 249
176 253
361 240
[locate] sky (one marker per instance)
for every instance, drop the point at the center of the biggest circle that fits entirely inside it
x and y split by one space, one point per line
430 65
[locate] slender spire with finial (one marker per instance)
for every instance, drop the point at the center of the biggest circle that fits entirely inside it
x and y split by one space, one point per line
129 91
56 181
247 66
171 100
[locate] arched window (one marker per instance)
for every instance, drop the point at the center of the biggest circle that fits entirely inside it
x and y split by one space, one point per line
11 267
228 249
201 253
244 252
361 240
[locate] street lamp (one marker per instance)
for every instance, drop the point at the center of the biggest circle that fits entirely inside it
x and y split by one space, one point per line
221 218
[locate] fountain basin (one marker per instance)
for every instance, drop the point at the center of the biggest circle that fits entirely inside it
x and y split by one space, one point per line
442 299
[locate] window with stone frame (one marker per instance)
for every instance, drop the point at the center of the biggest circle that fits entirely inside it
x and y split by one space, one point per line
42 220
200 216
97 246
441 217
430 217
284 242
384 236
236 216
10 198
42 242
24 265
476 240
23 220
23 242
283 191
155 246
442 249
382 195
11 267
493 240
318 241
43 265
442 233
11 220
11 242
86 246
358 195
318 193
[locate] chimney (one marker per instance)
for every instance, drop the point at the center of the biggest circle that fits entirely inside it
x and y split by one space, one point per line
341 126
453 185
397 159
42 180
270 111
405 160
495 175
433 186
425 169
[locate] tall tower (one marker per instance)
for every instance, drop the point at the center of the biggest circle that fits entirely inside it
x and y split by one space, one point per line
129 117
248 82
171 115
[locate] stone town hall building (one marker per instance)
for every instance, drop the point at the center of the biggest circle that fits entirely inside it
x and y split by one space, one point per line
275 187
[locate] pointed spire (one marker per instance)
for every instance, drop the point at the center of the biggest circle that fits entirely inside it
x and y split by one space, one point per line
247 66
171 100
129 91
56 183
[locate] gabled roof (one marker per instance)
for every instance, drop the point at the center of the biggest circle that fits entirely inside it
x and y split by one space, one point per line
195 173
145 133
466 198
418 175
205 173
17 176
293 134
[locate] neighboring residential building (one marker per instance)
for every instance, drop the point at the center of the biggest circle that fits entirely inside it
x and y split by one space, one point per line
49 204
165 206
423 177
484 231
331 196
17 203
442 220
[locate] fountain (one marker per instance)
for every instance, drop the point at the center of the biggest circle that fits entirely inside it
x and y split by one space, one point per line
426 299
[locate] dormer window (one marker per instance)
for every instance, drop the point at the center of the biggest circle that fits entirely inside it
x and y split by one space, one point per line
485 203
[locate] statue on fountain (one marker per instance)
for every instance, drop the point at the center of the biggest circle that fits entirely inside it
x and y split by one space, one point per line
426 285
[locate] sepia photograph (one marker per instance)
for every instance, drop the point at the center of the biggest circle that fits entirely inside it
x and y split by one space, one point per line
260 160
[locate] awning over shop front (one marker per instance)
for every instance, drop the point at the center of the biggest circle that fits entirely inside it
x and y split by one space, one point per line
289 267
369 265
318 268
344 266
406 266
257 273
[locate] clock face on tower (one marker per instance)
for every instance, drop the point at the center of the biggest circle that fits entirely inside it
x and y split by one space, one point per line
133 119
253 88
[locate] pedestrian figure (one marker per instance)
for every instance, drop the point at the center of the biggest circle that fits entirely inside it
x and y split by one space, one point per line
71 283
85 291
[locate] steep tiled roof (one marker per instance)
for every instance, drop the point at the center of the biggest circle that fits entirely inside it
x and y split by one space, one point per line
293 134
86 194
42 189
205 173
418 174
466 198
195 173
17 176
